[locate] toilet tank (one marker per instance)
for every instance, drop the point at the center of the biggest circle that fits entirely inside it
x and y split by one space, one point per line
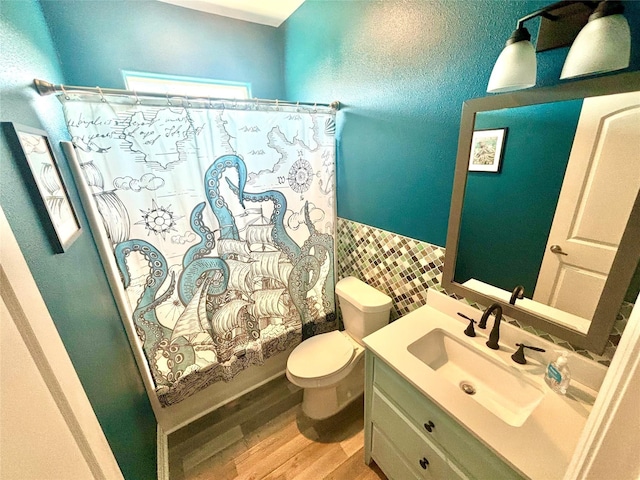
364 309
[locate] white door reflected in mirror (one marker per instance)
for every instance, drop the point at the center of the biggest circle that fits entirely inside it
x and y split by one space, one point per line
594 204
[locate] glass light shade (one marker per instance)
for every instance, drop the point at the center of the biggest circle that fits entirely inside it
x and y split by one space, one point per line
515 68
603 45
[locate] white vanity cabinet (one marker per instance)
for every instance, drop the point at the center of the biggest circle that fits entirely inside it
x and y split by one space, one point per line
410 437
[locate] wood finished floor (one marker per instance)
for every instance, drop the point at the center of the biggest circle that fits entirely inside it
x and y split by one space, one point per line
265 435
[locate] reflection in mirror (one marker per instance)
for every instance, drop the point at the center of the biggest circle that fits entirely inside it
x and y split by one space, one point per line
507 218
553 218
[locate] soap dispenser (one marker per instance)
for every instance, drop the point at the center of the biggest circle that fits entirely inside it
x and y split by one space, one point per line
558 375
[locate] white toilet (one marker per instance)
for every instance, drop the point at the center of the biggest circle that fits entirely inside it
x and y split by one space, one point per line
330 366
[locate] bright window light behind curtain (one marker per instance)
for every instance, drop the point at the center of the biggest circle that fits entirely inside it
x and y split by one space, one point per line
176 85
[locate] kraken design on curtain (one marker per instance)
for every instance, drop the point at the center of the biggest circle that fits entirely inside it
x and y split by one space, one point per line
222 223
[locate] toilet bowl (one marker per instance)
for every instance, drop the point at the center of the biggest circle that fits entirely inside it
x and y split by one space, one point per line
330 366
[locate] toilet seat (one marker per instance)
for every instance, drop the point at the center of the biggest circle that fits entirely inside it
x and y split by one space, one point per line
321 356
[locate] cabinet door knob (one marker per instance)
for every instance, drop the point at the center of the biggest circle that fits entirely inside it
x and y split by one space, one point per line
429 426
424 463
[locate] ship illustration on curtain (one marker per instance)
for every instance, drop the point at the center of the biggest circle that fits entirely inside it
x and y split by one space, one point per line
222 223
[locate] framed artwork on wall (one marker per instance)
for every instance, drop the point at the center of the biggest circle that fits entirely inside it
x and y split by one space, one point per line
41 174
487 150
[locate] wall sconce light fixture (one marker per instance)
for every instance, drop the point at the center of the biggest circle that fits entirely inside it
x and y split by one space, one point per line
598 33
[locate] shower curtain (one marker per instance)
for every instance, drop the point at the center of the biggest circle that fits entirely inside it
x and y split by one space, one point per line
222 220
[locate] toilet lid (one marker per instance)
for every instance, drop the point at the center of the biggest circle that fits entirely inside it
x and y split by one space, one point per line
319 356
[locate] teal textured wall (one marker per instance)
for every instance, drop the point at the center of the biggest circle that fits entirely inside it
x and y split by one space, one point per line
402 70
73 284
97 40
508 213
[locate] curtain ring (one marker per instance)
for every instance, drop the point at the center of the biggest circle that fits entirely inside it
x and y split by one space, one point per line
186 98
298 106
168 101
66 95
315 108
257 103
102 99
277 106
135 94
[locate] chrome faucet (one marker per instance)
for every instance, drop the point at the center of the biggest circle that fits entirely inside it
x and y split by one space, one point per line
494 336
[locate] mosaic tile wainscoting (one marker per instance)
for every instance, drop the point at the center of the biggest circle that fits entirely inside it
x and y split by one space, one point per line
405 268
401 267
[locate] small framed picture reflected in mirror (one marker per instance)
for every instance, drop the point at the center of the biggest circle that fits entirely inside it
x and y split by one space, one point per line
487 150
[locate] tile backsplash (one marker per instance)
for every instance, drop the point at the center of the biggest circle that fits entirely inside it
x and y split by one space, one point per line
404 268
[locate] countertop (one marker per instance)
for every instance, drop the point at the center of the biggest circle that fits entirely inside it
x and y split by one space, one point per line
539 449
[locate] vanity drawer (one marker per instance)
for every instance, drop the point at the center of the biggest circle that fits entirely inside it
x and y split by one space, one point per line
461 447
388 458
423 456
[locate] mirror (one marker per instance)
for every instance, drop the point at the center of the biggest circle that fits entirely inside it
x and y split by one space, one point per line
553 207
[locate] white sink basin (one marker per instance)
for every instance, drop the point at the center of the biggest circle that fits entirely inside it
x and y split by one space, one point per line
507 394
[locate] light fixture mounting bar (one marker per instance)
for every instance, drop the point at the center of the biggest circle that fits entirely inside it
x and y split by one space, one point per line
561 32
550 12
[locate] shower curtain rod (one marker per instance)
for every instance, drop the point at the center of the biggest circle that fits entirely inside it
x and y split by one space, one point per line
46 88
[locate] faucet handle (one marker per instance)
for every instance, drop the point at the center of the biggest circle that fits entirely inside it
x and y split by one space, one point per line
518 356
469 331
